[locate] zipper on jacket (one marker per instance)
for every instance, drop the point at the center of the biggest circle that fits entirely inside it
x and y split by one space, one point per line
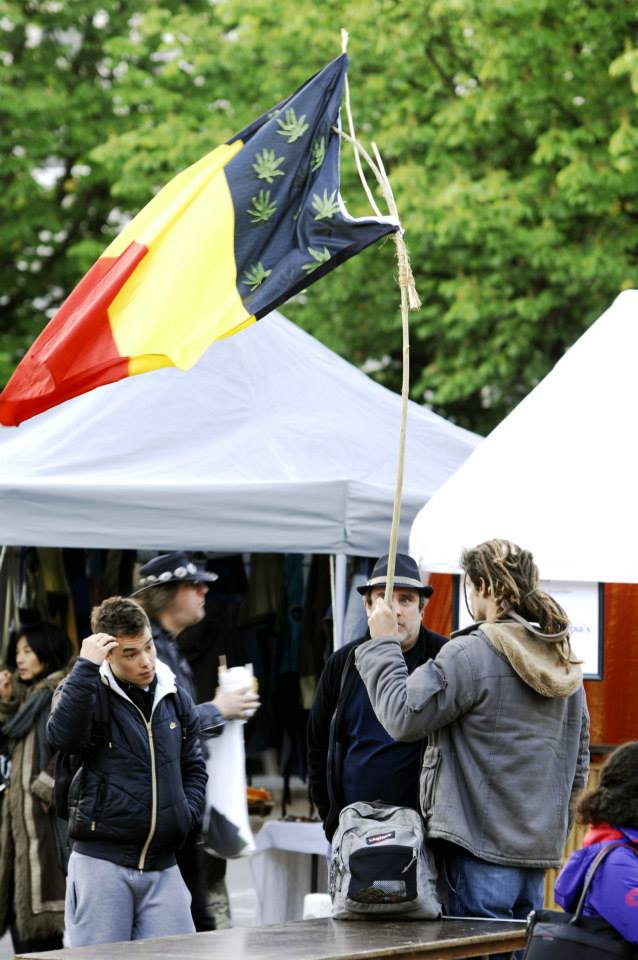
151 746
151 832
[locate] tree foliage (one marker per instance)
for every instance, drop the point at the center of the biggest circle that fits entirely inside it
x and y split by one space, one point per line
509 131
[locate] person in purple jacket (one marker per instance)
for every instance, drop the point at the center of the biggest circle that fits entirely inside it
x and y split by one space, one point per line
611 809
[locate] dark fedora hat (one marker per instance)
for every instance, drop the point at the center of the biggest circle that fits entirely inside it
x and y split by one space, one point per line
174 567
406 574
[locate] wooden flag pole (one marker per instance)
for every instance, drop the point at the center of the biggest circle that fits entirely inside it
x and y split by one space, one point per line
409 301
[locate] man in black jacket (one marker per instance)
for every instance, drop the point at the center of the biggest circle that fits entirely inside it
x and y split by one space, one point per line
172 590
140 789
350 755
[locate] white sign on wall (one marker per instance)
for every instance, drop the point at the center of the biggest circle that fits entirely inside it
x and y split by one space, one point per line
583 603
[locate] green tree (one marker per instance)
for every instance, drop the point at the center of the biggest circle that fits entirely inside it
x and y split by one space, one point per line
509 131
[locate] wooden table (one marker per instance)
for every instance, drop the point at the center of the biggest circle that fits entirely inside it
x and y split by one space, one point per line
320 940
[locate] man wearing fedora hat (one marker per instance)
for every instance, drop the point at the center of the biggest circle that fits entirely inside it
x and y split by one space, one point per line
350 755
172 589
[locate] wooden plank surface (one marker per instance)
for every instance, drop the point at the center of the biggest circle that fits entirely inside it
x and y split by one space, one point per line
322 939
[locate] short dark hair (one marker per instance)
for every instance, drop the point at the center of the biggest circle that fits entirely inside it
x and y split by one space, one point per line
614 800
119 617
156 599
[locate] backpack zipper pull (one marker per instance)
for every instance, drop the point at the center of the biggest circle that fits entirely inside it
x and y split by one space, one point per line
407 867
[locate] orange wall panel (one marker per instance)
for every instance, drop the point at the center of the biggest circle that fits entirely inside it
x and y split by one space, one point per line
613 703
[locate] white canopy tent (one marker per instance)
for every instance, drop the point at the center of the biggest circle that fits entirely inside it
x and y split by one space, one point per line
270 443
558 475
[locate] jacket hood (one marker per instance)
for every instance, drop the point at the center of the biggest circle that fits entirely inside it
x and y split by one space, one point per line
164 674
535 661
605 831
569 883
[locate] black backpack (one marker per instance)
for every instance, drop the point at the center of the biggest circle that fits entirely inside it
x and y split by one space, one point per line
66 765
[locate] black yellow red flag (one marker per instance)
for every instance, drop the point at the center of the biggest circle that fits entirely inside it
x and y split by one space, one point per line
221 245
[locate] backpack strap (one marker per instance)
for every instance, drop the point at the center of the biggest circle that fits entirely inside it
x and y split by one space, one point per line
101 714
593 867
102 703
182 709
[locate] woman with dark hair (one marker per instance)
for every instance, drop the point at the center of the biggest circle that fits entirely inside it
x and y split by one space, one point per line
31 881
611 809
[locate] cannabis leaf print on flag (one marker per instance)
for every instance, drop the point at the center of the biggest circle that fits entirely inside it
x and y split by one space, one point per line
291 224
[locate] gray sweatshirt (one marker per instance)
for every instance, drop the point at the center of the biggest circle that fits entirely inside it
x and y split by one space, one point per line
508 738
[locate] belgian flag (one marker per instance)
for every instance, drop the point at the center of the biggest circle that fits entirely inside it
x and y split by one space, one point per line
221 245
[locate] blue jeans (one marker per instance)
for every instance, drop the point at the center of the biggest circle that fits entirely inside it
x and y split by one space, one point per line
476 888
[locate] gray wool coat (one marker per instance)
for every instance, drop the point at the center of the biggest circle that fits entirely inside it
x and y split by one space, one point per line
508 738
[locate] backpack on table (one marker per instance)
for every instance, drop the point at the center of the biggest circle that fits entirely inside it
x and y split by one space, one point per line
381 865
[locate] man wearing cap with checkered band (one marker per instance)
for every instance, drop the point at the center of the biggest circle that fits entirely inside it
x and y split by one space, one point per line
350 755
172 589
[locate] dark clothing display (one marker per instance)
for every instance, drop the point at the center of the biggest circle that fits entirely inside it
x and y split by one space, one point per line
329 739
139 793
317 616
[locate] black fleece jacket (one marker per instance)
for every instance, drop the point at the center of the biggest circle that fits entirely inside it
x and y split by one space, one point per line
326 734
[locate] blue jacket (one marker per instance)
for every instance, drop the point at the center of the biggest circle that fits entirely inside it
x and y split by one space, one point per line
613 894
138 793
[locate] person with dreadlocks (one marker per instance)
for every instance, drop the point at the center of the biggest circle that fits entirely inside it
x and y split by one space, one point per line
504 710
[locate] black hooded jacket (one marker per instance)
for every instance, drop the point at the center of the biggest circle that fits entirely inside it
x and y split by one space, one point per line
139 792
326 734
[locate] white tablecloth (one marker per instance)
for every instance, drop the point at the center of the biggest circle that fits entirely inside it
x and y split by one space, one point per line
282 868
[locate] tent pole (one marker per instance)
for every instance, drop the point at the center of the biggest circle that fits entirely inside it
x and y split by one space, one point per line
339 599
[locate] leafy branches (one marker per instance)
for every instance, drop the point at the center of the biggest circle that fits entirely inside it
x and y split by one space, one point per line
513 160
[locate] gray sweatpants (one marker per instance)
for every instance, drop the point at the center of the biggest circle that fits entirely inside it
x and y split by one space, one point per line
106 902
